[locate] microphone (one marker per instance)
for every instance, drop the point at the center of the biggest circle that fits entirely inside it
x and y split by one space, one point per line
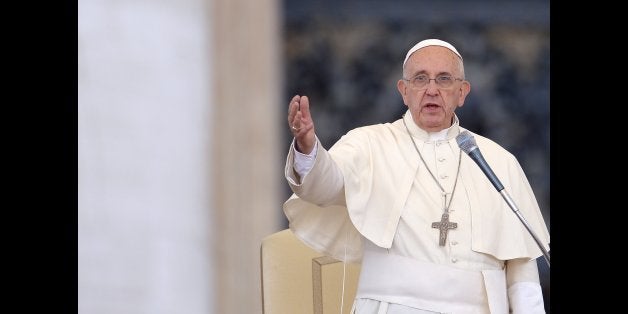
466 142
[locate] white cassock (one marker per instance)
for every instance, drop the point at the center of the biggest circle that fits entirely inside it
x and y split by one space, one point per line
370 199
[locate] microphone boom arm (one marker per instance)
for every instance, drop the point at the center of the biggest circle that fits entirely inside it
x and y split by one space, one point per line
515 209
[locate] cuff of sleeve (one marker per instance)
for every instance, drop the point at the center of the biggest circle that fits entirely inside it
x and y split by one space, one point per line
303 163
526 298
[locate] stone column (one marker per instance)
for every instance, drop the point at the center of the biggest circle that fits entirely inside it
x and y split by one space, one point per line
248 154
144 110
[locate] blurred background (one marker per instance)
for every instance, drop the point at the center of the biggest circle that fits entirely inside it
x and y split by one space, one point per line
182 131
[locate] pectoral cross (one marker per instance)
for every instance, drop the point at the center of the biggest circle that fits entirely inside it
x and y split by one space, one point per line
444 224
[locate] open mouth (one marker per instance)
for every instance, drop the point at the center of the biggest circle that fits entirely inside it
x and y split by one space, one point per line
431 107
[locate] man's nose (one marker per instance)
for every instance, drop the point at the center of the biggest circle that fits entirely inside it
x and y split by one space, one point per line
432 88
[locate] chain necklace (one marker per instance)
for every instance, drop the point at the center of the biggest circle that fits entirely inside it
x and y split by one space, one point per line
444 224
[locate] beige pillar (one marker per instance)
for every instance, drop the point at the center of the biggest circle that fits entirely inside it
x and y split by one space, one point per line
247 154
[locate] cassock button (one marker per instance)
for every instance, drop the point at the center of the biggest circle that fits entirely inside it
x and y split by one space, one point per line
453 260
441 159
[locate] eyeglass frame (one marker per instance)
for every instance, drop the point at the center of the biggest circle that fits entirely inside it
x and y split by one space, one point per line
431 79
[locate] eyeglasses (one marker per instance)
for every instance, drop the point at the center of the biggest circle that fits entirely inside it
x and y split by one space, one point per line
421 81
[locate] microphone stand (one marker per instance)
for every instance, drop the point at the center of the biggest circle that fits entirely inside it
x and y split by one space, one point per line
515 209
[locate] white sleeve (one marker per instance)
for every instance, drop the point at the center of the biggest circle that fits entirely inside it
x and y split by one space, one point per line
524 290
303 163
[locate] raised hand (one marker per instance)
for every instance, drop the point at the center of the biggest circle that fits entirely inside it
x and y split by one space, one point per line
301 124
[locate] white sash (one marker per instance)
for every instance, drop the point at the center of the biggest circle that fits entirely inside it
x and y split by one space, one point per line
397 279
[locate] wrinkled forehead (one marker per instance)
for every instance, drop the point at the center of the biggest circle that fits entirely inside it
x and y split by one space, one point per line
427 43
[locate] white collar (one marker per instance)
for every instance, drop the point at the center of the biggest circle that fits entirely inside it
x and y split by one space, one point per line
444 134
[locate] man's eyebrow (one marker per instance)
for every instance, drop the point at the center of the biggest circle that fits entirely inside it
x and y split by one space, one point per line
419 73
425 73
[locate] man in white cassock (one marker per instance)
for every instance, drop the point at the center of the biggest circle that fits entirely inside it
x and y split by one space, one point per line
431 232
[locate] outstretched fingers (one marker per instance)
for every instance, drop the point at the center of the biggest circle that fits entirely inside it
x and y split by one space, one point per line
301 124
299 114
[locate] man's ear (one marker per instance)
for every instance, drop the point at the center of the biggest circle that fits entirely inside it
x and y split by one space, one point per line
465 88
402 88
